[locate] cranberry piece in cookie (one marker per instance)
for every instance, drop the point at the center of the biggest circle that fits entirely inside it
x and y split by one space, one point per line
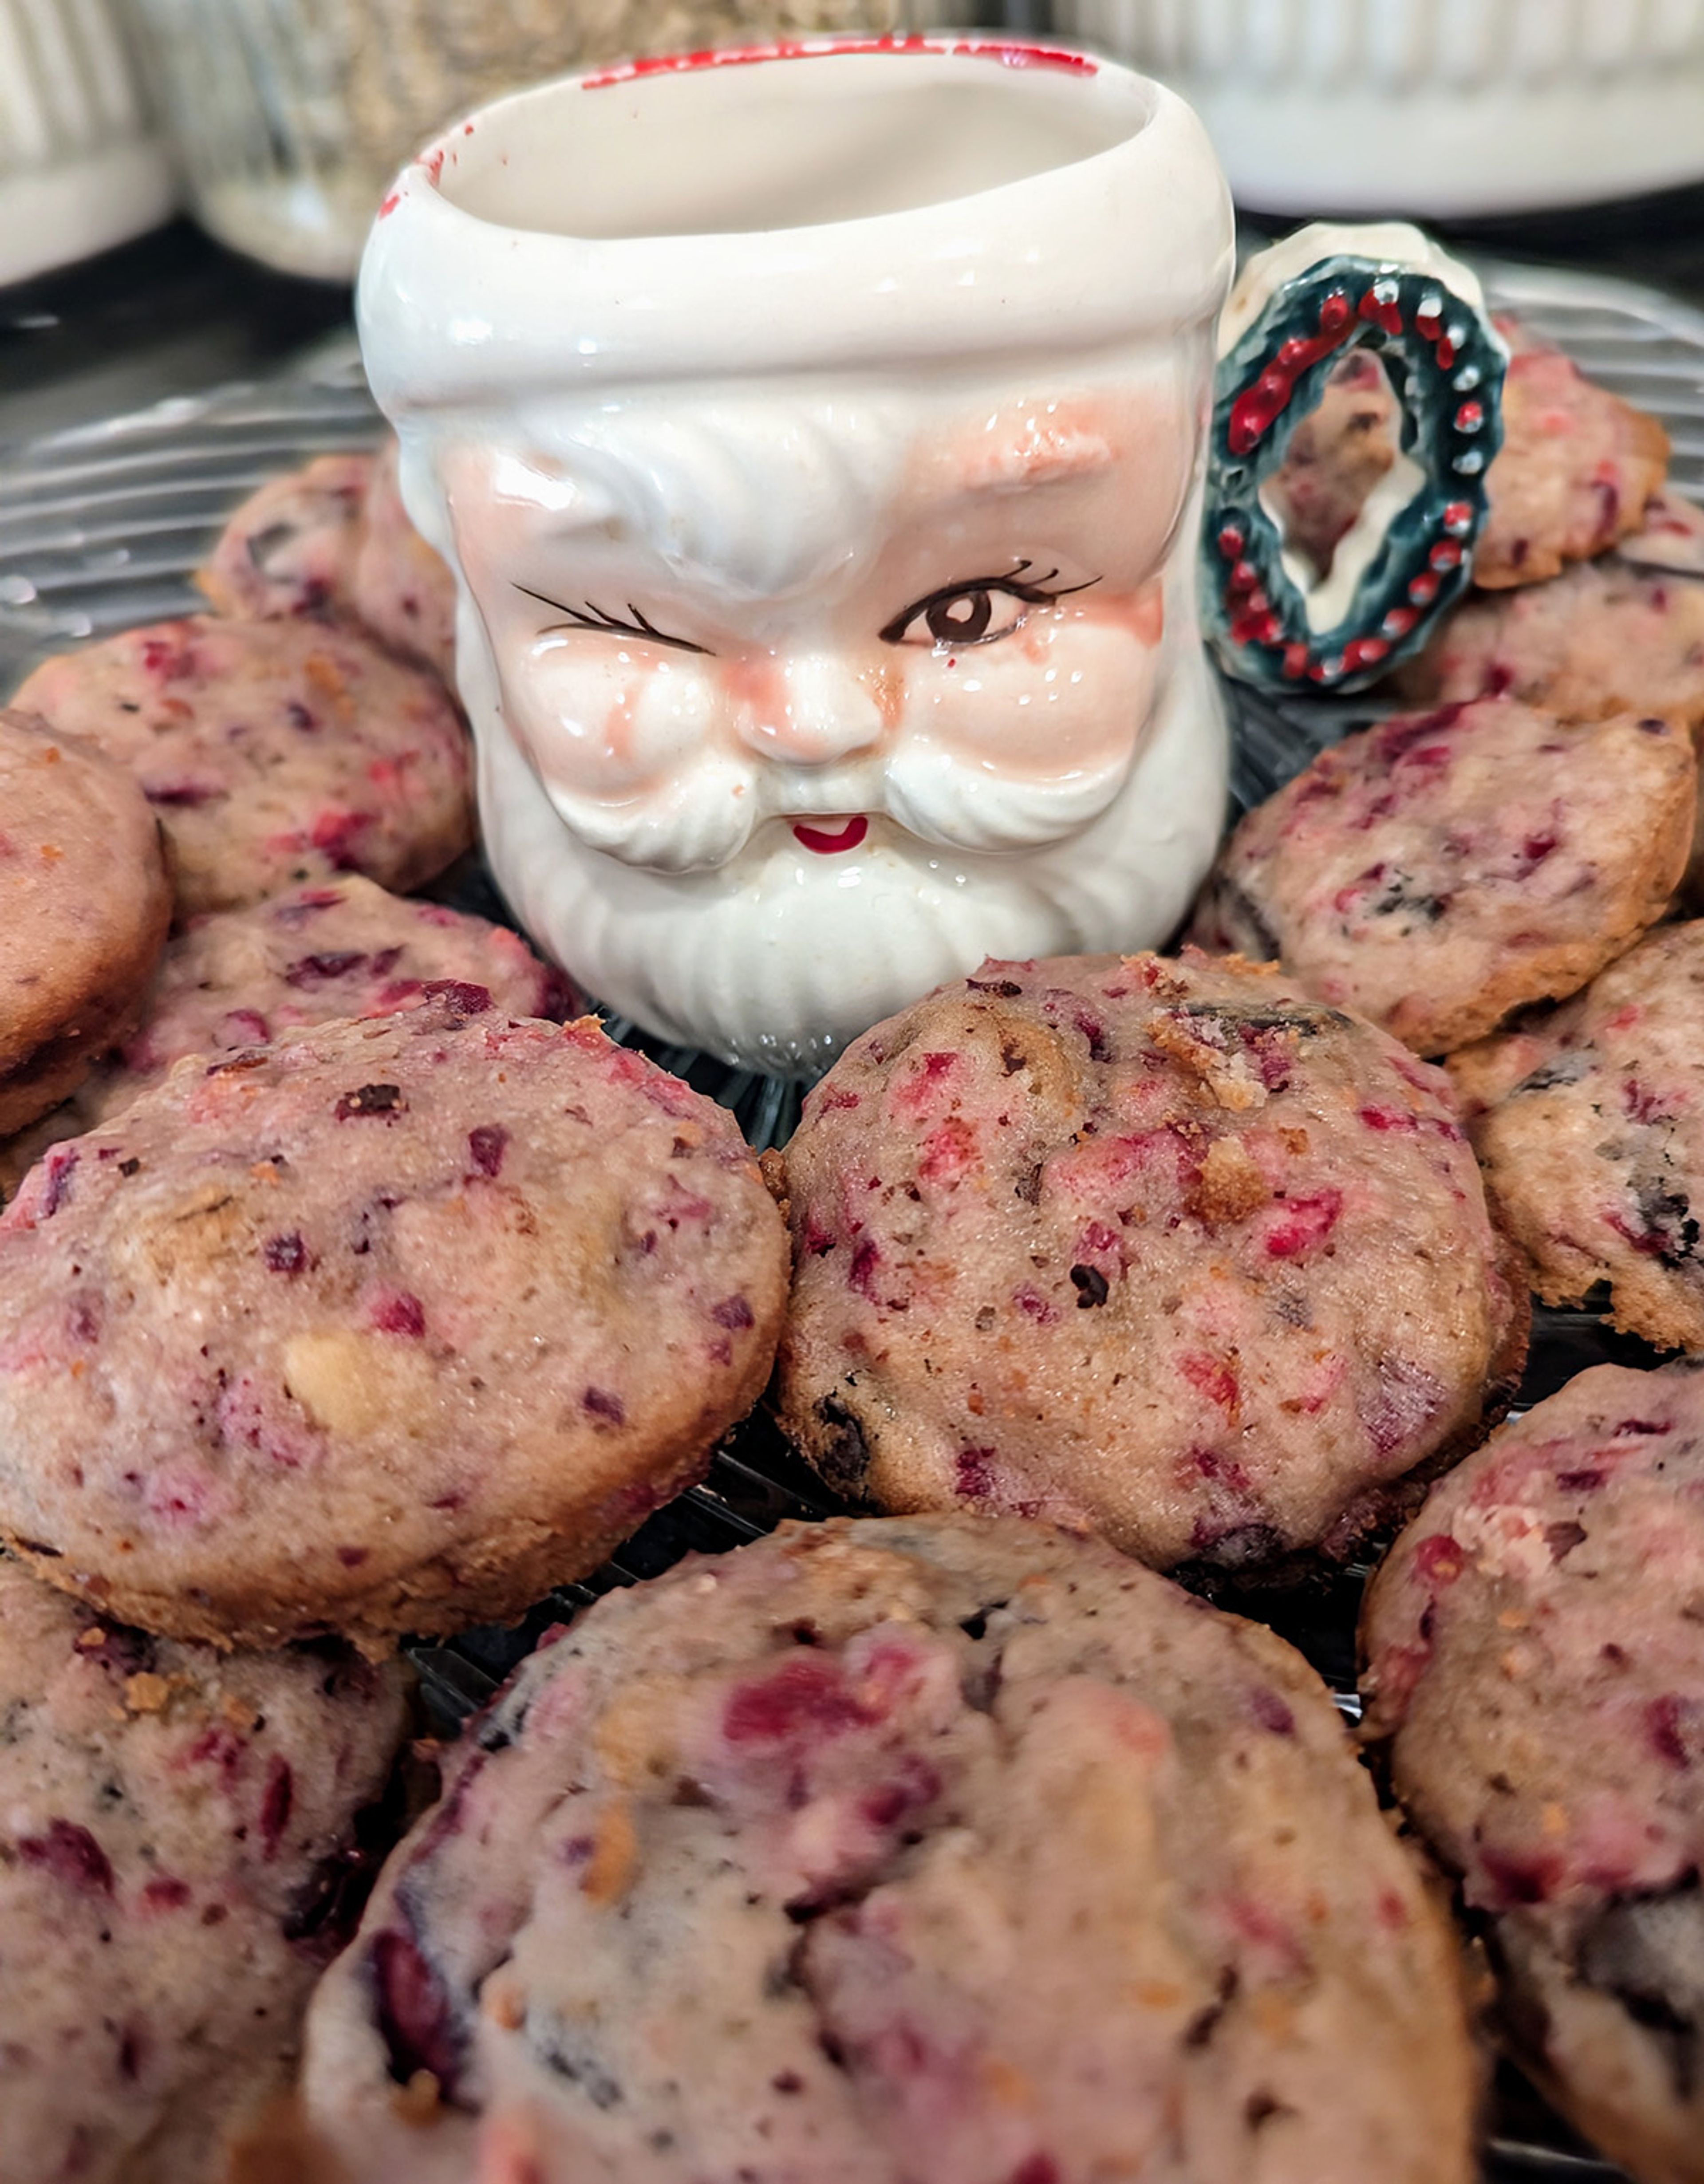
1166 1248
958 1848
1438 870
1534 1687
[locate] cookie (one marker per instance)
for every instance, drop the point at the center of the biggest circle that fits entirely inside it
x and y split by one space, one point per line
879 1850
291 548
400 588
85 901
1535 1684
1576 471
236 978
1439 870
272 751
333 539
1335 457
1619 635
1167 1249
388 1326
175 1832
1577 467
1588 1121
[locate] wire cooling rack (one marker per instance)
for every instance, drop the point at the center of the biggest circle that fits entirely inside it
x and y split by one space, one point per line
100 528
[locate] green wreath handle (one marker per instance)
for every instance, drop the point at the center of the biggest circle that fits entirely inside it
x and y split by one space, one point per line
1448 375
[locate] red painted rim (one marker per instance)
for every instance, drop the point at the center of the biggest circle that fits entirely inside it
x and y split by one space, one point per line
1001 50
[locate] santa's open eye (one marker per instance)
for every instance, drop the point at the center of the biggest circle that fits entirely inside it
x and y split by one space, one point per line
978 611
637 624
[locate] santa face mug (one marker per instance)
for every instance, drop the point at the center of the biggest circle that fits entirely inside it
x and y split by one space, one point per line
816 435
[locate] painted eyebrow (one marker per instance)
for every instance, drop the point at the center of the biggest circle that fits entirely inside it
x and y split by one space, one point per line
591 616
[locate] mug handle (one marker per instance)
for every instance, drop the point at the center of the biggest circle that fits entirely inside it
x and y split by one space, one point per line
1285 332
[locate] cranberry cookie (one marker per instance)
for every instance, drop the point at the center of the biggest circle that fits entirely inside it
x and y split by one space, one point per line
172 1826
291 548
878 1850
1577 467
1588 1123
1165 1248
388 1326
400 588
236 978
1535 1682
1622 634
86 903
1439 870
273 752
1335 457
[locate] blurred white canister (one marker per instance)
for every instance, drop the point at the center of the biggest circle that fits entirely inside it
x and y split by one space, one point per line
81 167
1440 107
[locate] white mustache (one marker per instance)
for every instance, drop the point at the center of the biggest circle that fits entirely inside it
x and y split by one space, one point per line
707 812
931 794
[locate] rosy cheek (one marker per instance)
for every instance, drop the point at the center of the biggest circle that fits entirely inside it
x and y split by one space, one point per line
1068 691
604 724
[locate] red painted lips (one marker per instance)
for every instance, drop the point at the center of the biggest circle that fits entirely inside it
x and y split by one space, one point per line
827 842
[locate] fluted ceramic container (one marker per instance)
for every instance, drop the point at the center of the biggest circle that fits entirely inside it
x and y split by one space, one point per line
291 115
1439 107
81 165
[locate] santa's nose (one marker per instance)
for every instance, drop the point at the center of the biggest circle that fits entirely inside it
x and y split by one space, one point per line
810 711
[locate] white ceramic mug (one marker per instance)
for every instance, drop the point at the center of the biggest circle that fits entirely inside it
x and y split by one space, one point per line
816 432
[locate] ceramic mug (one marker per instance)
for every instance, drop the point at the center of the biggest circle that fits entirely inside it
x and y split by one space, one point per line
816 434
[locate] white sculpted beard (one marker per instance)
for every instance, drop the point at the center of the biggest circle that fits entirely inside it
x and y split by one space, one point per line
778 957
710 811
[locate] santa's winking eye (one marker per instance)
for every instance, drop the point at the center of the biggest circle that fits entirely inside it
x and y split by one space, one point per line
610 625
978 609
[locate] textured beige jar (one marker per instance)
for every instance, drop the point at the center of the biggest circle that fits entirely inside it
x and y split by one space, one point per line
291 115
